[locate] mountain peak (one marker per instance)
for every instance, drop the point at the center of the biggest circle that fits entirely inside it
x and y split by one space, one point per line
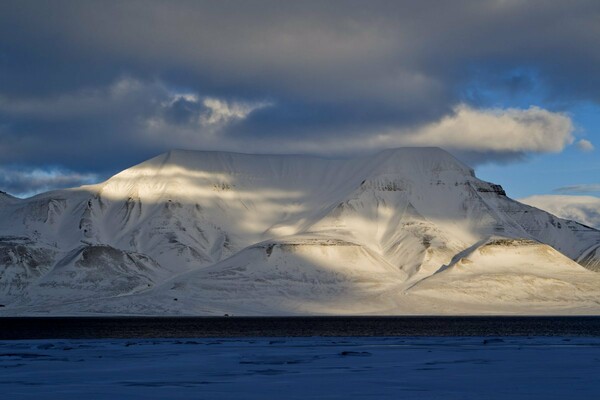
403 160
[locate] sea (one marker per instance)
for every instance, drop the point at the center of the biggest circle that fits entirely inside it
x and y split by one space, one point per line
227 327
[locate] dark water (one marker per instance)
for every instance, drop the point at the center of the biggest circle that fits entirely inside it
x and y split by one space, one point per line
181 327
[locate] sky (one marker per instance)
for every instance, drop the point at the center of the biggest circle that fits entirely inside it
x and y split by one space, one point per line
510 87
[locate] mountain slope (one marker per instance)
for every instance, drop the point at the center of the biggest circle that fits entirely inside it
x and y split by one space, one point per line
344 236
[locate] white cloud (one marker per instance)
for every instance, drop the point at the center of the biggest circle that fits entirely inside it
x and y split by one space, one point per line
222 112
135 96
534 130
585 145
190 97
190 120
583 209
25 182
501 130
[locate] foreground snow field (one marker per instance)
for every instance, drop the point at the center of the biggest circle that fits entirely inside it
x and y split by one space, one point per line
300 368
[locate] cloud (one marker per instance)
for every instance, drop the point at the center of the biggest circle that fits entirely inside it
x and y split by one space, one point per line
207 111
582 188
583 209
123 92
110 127
25 182
100 86
221 112
130 120
503 130
585 145
466 129
402 52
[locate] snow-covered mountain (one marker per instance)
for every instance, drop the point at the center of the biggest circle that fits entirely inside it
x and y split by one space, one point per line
584 209
405 231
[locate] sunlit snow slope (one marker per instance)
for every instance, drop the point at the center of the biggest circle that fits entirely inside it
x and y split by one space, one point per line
405 231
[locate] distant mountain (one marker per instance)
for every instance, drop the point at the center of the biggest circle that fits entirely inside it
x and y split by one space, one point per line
584 209
405 231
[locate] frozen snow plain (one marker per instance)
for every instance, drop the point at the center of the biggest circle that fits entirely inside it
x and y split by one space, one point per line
405 231
300 368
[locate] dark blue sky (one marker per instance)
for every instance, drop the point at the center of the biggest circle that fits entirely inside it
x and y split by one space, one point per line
90 88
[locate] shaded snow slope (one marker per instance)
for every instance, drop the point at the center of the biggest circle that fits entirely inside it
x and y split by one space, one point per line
260 234
299 276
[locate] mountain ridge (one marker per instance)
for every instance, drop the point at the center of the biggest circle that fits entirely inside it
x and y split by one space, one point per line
187 213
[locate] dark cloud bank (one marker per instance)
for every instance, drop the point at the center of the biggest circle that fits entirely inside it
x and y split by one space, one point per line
93 87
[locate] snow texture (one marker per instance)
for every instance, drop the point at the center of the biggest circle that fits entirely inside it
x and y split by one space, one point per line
299 368
405 231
